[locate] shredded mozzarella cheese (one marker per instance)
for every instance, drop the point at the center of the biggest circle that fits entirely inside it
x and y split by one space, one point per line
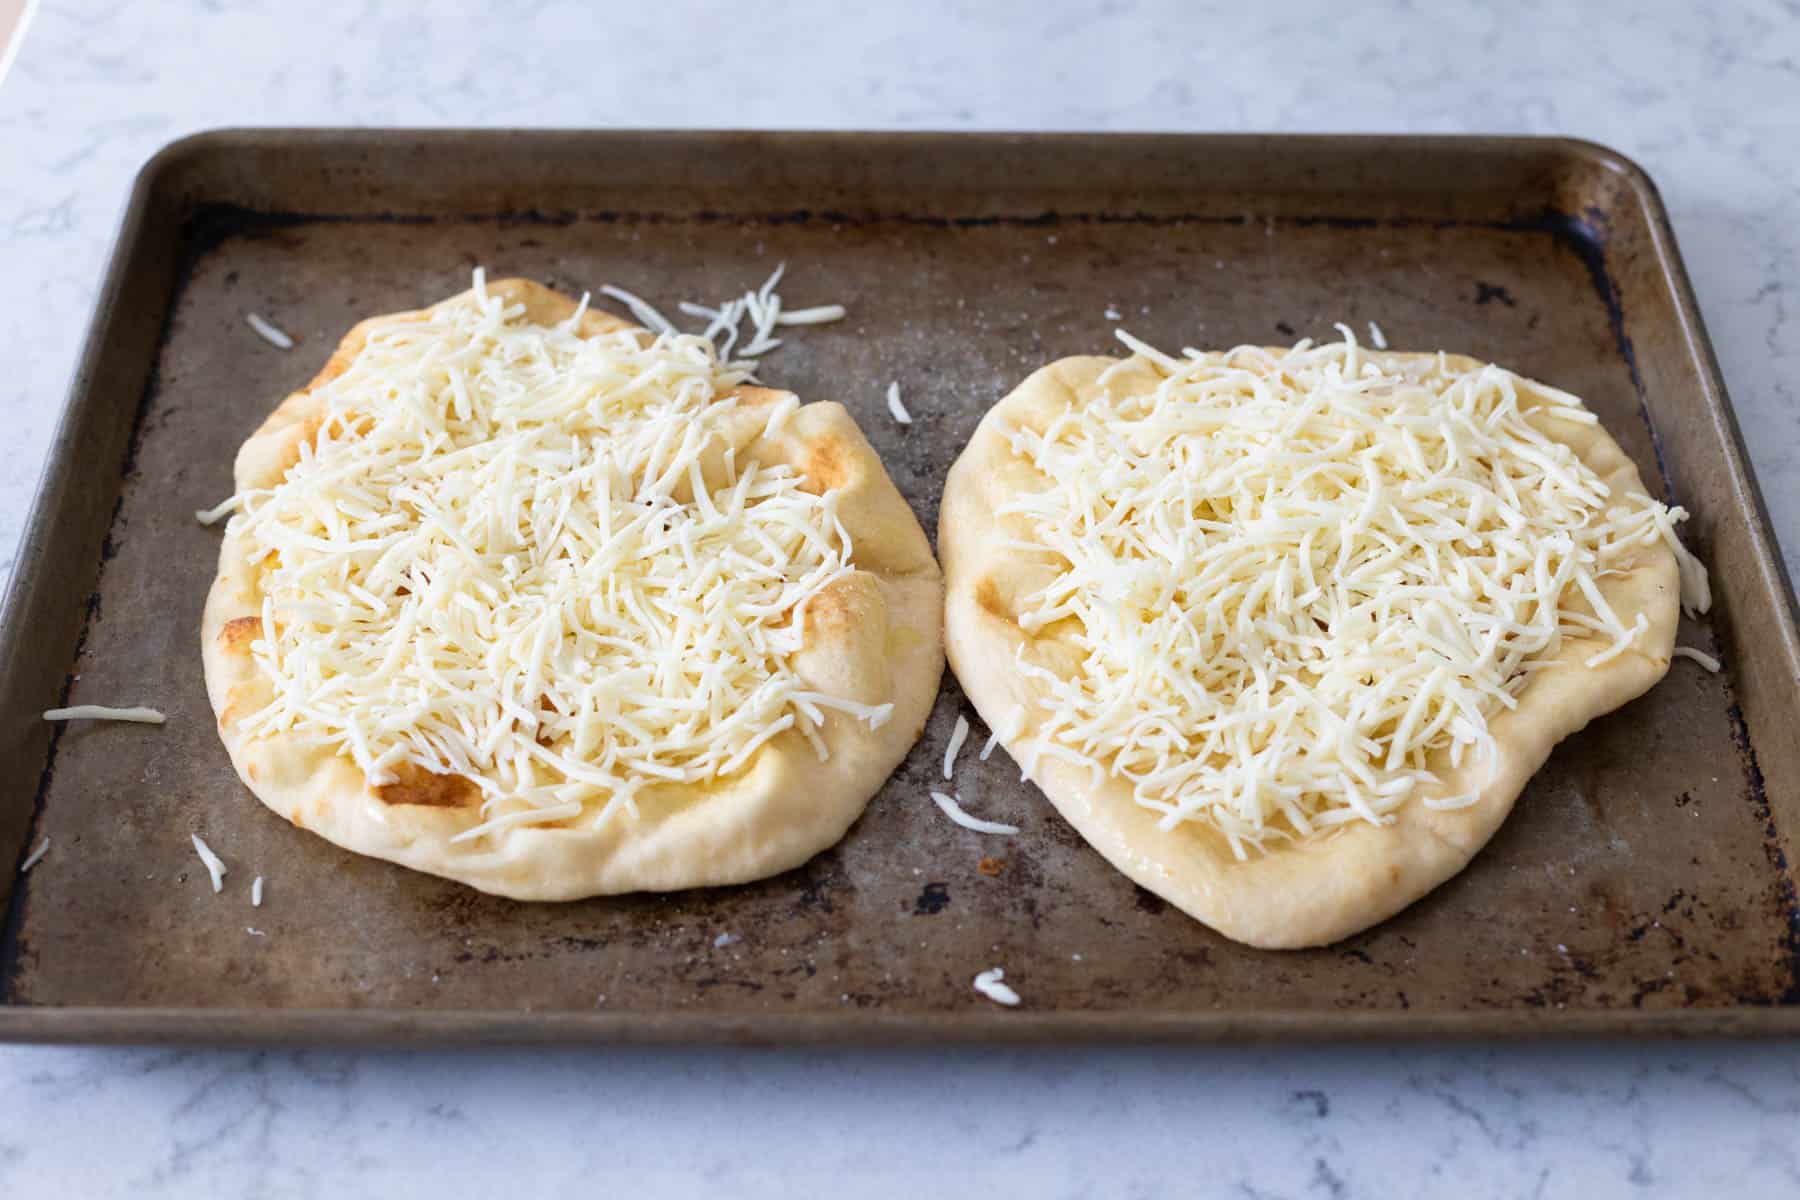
256 886
958 736
1015 724
103 712
641 310
215 866
519 556
1706 661
821 315
269 333
217 513
988 984
36 857
1377 338
1293 585
952 806
895 407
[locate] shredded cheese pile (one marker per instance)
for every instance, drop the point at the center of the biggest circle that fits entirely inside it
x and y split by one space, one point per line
503 559
1295 583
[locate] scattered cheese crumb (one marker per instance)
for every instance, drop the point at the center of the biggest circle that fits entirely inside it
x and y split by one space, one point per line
724 940
953 809
1377 338
895 407
1113 314
215 866
821 315
217 513
1015 724
101 712
268 332
254 932
988 984
256 892
37 856
1700 656
763 307
642 309
958 736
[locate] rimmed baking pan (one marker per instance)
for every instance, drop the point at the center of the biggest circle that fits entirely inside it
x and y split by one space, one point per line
1643 886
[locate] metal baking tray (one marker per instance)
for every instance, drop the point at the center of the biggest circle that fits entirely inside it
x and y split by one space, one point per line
1643 885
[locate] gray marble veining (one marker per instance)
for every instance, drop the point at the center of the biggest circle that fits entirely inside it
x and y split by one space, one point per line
1707 97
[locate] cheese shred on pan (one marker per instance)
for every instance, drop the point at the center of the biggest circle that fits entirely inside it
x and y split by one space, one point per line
1707 662
103 712
215 866
522 556
958 736
896 407
988 984
269 333
952 807
36 856
1290 580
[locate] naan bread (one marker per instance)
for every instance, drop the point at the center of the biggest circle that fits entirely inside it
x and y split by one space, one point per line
1310 890
871 637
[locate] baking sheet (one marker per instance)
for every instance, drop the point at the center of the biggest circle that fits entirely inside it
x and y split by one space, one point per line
1643 884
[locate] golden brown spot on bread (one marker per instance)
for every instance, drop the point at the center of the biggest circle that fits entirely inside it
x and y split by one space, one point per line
416 785
827 464
1393 874
237 633
748 395
831 610
987 596
239 700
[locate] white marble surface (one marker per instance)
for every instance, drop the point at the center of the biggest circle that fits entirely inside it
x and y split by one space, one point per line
1707 97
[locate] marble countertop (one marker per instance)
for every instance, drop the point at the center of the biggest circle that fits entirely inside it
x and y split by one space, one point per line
1706 97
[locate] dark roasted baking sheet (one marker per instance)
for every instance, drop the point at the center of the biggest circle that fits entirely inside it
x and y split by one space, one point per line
1643 886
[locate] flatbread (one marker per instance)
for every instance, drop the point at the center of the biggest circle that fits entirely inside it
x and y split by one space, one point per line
1312 891
873 637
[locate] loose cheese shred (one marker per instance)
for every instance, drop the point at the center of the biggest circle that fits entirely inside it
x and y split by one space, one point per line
763 308
1289 587
958 736
1015 725
517 555
215 867
1377 338
952 806
256 886
102 712
641 310
269 333
823 314
1706 661
217 513
895 407
36 857
988 984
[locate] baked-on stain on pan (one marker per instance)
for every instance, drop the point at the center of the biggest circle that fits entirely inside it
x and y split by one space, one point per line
1643 886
